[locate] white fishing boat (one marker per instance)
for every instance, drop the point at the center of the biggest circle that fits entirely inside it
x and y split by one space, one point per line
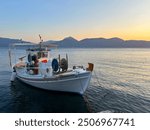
38 69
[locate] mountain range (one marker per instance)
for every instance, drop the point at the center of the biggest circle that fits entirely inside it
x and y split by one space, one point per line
71 42
115 42
5 42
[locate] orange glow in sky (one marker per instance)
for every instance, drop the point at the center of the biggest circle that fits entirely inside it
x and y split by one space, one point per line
57 19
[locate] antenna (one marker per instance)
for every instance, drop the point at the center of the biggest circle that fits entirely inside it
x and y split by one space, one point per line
41 41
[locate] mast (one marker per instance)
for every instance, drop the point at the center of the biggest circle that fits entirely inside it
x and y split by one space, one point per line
41 41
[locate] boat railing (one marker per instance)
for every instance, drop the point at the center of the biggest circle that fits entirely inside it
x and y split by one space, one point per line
39 70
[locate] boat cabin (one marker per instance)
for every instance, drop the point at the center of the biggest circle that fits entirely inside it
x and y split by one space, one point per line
40 54
38 59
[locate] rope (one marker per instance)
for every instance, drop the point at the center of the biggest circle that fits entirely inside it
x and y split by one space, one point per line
97 78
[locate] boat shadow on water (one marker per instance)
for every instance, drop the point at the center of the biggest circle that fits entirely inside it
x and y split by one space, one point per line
33 100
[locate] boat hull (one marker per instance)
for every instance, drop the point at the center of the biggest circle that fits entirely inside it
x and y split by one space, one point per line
76 84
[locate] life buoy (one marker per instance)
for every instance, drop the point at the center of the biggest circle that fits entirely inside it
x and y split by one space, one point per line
55 65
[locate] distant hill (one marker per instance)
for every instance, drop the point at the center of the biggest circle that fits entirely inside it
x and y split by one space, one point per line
115 42
68 42
137 44
102 43
5 42
71 42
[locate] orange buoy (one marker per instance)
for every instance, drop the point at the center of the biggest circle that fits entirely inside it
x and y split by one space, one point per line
44 61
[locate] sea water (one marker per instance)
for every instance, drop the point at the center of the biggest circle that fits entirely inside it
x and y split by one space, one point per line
120 83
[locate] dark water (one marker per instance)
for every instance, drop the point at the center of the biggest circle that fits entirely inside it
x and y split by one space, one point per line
120 83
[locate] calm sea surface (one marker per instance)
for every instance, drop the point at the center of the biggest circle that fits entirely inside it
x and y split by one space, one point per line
120 83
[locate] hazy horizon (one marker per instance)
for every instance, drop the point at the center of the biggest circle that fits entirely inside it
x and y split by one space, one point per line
55 19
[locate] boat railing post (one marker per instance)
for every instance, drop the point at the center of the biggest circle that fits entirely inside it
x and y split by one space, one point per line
10 58
59 61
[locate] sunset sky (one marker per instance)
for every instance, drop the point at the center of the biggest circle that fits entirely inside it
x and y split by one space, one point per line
56 19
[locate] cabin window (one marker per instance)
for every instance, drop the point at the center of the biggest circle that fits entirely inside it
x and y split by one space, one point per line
42 54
